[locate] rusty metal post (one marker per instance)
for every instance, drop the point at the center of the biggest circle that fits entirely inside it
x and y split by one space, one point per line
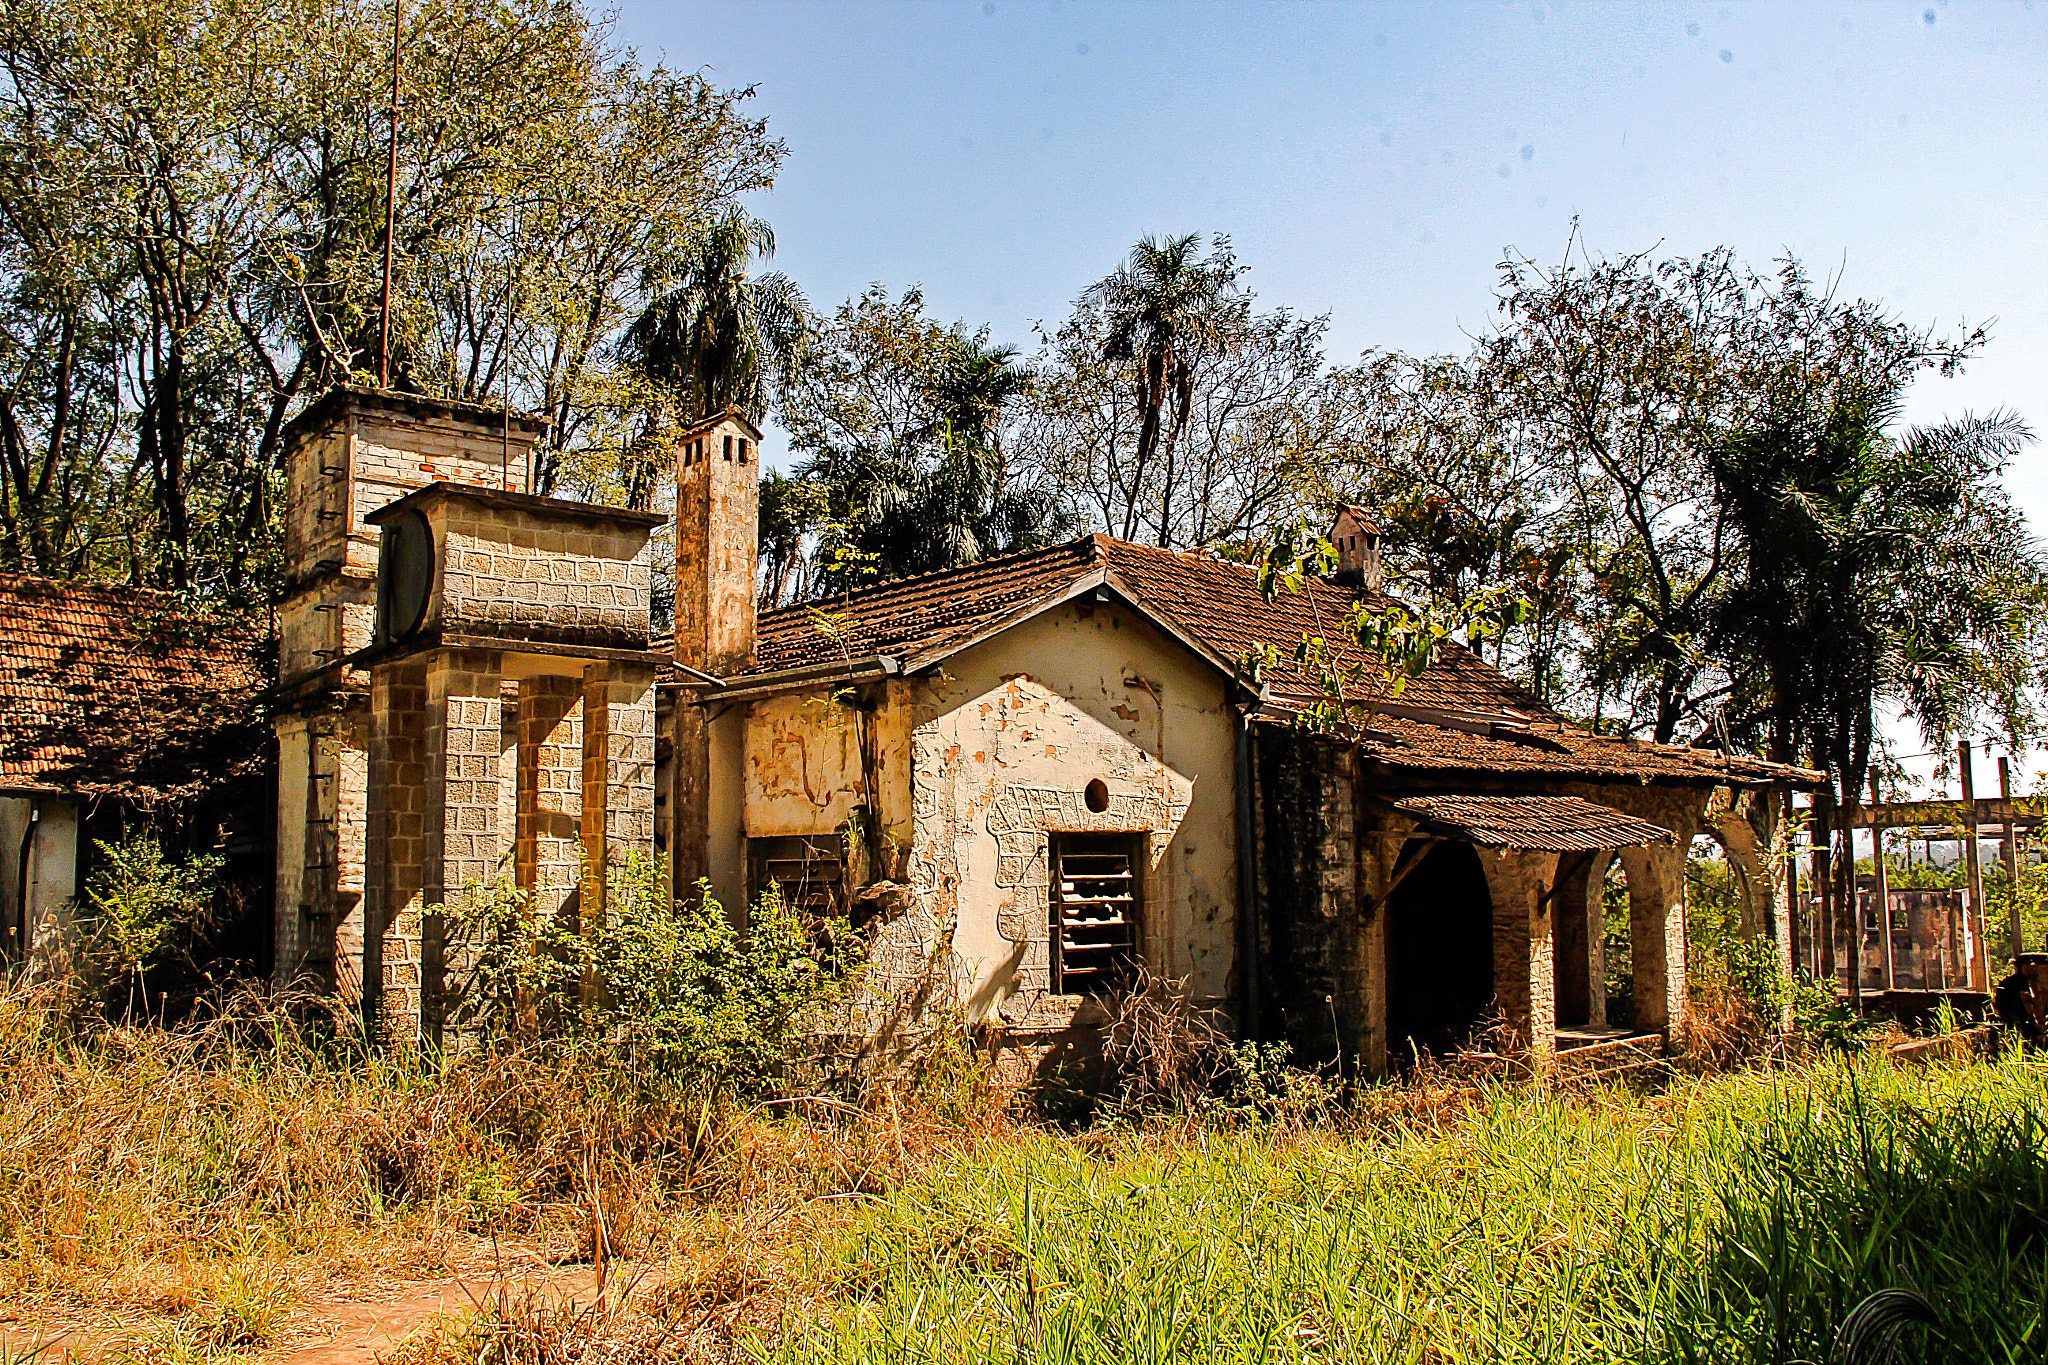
2009 854
1883 890
1980 959
390 204
1822 841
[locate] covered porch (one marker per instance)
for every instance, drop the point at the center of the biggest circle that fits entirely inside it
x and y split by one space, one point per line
1398 920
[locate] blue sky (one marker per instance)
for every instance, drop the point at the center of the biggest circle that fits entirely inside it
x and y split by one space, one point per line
1372 162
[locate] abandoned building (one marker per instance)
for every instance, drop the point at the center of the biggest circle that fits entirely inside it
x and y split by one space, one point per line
1047 768
121 706
1023 780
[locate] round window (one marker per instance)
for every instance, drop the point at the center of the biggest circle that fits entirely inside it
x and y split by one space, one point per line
1097 796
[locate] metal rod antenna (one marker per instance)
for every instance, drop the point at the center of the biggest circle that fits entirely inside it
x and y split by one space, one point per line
390 205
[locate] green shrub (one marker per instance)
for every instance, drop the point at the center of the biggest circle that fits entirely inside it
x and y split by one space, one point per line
143 909
670 987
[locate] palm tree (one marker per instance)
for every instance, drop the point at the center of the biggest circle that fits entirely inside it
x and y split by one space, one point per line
909 509
720 336
1162 306
1879 571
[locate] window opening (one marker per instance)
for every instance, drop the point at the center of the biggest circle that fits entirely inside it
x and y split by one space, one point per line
1095 906
808 873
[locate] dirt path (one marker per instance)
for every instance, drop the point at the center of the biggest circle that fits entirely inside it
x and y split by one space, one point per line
349 1324
353 1330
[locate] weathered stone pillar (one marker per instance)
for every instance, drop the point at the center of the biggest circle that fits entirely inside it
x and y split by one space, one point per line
394 847
618 772
547 860
1524 987
1379 853
1656 894
461 822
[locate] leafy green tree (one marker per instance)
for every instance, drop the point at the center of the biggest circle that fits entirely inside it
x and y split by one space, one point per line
1166 409
904 421
1878 572
1567 457
720 337
192 234
1161 308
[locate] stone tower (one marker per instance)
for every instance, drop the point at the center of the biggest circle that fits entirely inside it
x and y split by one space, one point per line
352 451
718 502
718 506
1357 536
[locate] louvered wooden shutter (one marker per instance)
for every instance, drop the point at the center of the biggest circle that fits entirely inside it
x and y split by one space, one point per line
1094 915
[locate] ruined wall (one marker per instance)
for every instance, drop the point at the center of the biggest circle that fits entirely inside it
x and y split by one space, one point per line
350 453
1308 884
973 767
1004 746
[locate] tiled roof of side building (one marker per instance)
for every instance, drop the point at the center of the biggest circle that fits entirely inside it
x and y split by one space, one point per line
1552 824
1217 605
117 689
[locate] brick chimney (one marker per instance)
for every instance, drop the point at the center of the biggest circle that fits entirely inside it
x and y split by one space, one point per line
718 506
1357 535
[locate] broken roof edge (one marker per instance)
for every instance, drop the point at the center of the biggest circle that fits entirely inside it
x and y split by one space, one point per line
399 403
1532 822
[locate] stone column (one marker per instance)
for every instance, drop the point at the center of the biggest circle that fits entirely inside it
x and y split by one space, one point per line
1524 986
1656 931
547 859
618 773
461 821
1378 855
394 849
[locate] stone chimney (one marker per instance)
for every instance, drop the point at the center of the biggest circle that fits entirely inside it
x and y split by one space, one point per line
718 506
1357 538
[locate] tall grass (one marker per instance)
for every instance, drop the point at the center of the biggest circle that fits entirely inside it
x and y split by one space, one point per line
1732 1218
1737 1219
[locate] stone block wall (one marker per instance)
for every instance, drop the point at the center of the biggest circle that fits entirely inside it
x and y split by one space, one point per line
395 848
1315 990
618 771
581 581
548 858
1524 987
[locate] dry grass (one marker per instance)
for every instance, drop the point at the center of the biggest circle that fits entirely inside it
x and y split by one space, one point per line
184 1193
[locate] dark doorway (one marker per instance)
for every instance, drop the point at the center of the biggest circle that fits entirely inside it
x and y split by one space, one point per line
1439 952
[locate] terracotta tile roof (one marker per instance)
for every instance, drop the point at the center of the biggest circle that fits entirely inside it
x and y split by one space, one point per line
1463 714
120 690
1548 824
914 617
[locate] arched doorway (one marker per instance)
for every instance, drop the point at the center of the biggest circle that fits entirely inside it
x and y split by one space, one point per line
1439 952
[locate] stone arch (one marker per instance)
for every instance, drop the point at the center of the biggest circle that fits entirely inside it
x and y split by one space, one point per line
1656 898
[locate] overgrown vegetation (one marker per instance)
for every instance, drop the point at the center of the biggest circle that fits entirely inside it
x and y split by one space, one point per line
1735 1217
672 991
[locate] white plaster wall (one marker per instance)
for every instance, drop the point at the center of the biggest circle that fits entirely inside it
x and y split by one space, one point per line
802 764
1008 740
52 874
726 816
